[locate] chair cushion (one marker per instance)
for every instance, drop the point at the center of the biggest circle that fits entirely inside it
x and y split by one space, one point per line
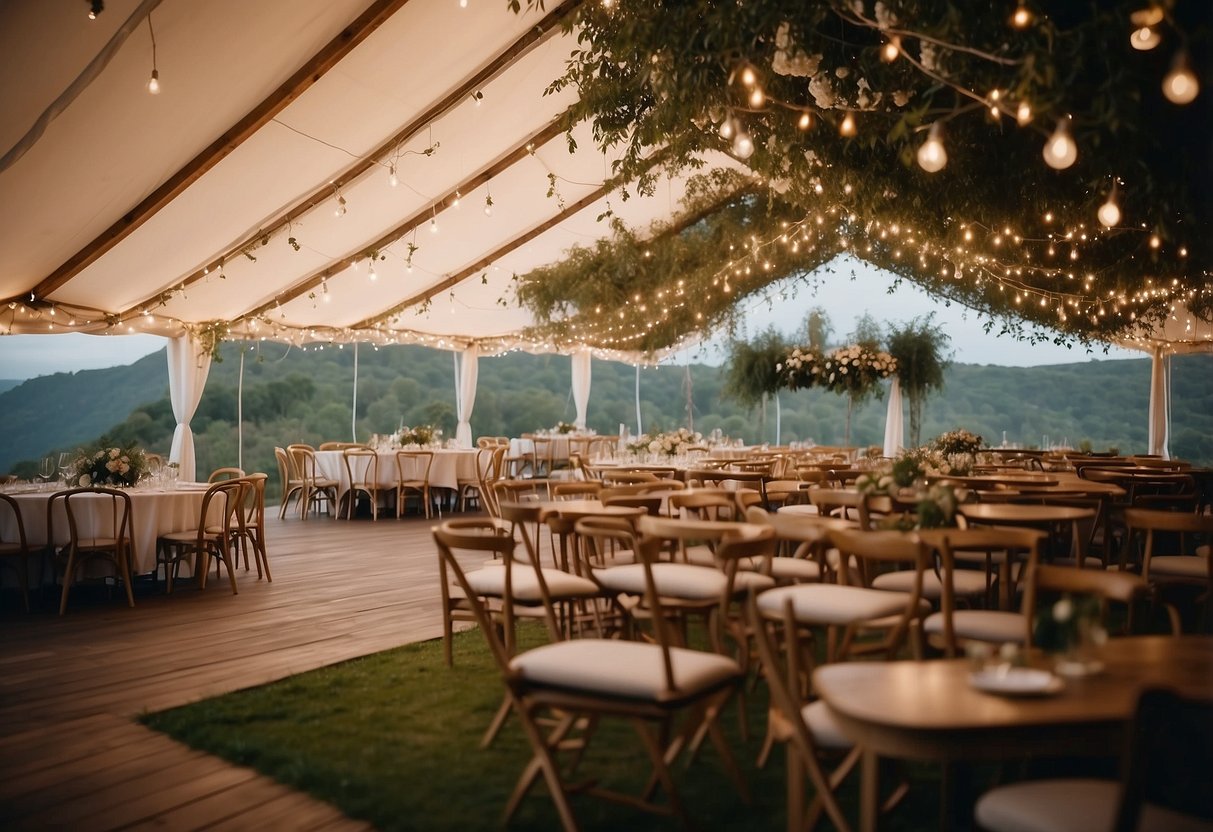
700 554
981 625
831 603
965 582
825 729
561 585
626 669
1070 805
1179 566
795 569
673 580
745 581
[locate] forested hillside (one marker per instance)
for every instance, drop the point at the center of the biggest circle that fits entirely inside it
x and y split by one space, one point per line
296 396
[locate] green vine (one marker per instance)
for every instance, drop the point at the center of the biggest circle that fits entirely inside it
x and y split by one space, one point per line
997 229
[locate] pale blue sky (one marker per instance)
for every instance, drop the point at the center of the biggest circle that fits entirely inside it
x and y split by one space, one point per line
844 299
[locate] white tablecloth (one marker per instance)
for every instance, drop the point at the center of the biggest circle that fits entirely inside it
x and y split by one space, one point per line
153 513
450 465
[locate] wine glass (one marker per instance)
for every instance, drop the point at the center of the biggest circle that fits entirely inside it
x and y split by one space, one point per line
47 468
65 465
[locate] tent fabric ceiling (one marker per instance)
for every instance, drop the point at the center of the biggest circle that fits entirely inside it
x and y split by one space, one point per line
260 230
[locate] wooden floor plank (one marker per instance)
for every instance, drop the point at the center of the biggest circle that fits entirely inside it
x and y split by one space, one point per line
73 686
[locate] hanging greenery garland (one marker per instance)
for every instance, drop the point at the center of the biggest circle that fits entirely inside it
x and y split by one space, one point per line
910 134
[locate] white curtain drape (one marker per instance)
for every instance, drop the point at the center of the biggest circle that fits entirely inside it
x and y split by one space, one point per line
581 385
1160 404
188 365
469 369
894 423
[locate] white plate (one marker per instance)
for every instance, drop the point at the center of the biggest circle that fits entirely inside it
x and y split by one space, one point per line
1016 681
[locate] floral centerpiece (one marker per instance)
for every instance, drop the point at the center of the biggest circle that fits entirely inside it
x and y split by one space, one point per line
422 435
564 427
108 466
914 464
670 443
935 508
958 441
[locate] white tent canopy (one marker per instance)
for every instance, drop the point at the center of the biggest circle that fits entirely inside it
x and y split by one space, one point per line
257 185
292 170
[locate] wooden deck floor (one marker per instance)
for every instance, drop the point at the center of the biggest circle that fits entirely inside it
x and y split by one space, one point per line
72 754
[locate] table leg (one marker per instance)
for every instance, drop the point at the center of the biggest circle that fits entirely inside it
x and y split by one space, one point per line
869 790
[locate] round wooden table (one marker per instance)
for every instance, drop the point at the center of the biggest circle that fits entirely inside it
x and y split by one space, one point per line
1033 516
930 711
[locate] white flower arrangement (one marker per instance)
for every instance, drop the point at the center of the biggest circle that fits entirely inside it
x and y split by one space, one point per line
670 443
422 435
109 466
852 369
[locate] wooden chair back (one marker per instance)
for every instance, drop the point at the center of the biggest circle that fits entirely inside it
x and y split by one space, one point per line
229 473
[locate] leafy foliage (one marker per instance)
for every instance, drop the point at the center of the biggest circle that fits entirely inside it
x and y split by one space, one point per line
997 229
918 345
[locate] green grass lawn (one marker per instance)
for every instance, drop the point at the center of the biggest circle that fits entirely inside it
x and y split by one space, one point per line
393 738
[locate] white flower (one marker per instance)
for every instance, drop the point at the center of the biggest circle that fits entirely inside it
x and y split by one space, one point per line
823 94
884 16
1063 610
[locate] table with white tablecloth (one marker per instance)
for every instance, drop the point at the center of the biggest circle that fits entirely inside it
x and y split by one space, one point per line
450 465
153 513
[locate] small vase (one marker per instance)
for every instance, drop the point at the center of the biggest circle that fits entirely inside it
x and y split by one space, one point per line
1080 658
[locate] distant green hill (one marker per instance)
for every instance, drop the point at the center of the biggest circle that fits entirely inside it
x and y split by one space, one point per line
296 396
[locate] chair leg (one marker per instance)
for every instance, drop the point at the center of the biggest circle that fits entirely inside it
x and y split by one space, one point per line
69 575
124 567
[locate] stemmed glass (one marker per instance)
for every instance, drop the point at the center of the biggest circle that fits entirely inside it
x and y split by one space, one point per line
47 468
65 465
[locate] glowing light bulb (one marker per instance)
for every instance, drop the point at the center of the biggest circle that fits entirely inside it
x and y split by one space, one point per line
847 128
932 157
891 49
392 178
1022 18
153 85
804 121
1109 212
743 145
1023 113
1145 38
1060 151
1180 86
